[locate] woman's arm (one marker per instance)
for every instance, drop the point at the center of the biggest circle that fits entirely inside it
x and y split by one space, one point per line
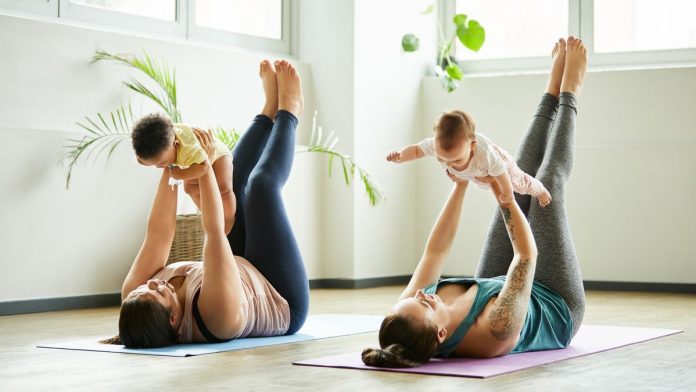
506 316
439 243
222 297
506 190
161 225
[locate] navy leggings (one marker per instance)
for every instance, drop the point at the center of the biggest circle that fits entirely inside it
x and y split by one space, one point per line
261 232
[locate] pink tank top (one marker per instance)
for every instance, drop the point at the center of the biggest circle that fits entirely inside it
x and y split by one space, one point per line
267 312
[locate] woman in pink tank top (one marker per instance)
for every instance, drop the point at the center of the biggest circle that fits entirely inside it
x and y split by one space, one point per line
259 290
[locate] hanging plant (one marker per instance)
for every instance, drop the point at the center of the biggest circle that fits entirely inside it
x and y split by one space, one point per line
468 31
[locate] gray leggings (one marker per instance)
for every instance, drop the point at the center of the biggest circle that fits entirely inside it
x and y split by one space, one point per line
546 152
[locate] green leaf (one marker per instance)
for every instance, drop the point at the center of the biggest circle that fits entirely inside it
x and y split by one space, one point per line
472 35
159 72
448 83
454 72
331 158
428 10
228 137
410 43
99 141
459 19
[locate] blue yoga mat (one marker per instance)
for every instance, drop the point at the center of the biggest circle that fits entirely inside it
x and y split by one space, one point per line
316 327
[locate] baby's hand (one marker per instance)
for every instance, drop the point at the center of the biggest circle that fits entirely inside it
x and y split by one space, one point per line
394 156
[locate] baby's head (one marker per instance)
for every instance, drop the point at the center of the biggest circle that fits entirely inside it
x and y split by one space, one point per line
153 140
455 138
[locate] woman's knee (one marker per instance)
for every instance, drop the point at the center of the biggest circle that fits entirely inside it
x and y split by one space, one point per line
260 182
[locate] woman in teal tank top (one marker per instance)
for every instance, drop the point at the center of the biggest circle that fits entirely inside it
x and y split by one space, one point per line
527 293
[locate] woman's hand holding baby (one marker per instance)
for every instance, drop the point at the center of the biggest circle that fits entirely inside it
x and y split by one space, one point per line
206 139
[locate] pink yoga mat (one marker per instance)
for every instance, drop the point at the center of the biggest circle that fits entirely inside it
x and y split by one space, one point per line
590 339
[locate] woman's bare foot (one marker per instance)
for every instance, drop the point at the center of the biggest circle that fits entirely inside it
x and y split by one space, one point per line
575 66
558 54
289 88
544 198
270 88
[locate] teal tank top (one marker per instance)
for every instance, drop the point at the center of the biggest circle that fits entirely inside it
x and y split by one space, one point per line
547 326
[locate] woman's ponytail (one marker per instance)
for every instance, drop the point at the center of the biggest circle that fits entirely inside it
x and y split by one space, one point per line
394 356
405 343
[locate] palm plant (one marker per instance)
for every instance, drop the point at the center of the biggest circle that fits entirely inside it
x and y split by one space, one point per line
106 132
327 146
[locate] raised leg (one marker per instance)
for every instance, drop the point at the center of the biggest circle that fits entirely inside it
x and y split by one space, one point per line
557 263
497 251
247 153
270 243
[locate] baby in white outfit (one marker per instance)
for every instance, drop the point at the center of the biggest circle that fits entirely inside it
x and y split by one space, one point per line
467 155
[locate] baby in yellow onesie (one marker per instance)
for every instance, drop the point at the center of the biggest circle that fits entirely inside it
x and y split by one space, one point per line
159 142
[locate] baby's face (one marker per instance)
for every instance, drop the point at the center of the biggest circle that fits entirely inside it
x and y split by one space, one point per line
163 159
457 157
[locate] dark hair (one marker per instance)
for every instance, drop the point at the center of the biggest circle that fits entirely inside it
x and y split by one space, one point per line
151 135
452 126
404 342
144 324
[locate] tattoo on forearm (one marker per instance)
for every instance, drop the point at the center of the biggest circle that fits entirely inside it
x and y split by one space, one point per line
507 217
506 214
510 312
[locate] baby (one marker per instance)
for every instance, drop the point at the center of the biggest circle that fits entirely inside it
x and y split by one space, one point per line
158 142
467 155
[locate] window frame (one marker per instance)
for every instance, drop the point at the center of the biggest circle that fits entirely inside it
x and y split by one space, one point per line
183 27
580 24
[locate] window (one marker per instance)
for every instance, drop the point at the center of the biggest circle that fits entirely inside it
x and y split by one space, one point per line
262 24
259 24
38 7
260 18
618 33
162 17
638 25
515 28
158 9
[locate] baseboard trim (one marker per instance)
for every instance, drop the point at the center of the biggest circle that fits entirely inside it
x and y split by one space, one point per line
104 300
601 285
60 303
358 283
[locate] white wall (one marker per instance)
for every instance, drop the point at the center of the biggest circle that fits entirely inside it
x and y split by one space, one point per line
367 92
387 117
325 41
630 199
78 242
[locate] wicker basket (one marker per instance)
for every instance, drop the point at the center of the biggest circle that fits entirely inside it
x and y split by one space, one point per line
188 239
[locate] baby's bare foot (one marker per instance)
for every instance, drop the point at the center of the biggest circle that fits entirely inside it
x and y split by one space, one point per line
289 88
558 55
270 88
575 66
544 198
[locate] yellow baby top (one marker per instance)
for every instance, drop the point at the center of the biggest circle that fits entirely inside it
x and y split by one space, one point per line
189 150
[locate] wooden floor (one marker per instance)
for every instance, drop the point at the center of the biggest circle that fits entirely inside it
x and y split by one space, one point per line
666 364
